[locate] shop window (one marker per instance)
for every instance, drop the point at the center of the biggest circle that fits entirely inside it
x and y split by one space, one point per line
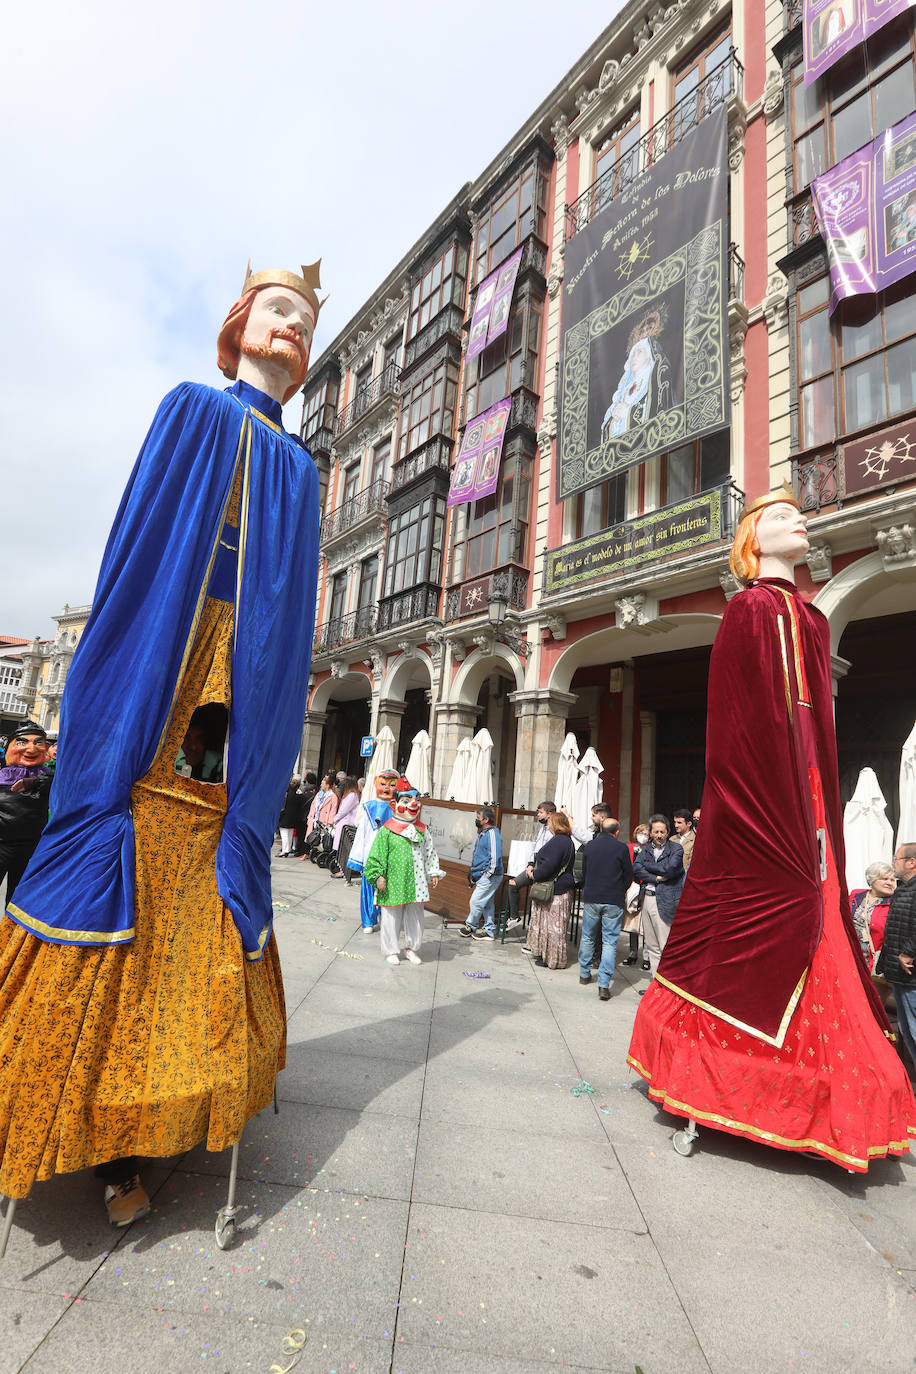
414 549
865 93
509 362
694 467
429 407
518 210
602 506
441 285
858 369
496 529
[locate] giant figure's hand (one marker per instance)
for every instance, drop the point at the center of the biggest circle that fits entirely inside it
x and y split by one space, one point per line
380 884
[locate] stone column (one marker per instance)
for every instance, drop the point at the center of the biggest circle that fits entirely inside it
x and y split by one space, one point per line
310 748
626 754
647 725
541 716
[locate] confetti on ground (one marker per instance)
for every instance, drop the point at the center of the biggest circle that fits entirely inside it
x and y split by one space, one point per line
280 906
475 973
335 949
582 1089
332 918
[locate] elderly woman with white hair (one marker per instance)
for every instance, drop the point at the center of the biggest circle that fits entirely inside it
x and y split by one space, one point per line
869 907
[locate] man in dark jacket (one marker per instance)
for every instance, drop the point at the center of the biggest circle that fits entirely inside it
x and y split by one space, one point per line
899 948
485 876
659 870
25 782
606 874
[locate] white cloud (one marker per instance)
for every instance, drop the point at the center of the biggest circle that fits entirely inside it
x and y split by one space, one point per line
149 153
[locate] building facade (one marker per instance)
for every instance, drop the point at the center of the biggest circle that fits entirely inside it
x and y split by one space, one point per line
410 590
45 664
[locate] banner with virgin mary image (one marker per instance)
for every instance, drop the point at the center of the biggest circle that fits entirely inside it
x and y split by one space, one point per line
645 361
833 28
866 210
476 470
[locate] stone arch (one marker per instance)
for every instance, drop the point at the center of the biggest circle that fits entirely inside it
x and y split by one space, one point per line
668 633
850 590
356 682
402 674
477 667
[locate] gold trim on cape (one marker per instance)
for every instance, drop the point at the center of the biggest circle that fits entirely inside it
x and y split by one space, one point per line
255 954
768 1137
777 1041
272 423
70 937
785 665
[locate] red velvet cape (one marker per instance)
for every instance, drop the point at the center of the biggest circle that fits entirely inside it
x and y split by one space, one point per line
751 914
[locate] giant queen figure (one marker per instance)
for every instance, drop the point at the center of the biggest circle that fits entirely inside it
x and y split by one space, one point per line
762 1020
141 1003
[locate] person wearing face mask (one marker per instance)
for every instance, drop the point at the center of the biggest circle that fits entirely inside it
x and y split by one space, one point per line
521 880
485 876
763 1020
633 920
659 870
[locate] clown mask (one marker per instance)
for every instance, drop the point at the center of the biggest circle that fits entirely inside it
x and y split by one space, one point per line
407 806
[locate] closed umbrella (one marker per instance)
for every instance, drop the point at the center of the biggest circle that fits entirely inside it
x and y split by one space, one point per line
867 832
588 790
460 783
482 763
417 770
382 761
906 831
567 774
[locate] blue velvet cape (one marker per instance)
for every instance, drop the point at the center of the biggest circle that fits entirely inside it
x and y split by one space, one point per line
160 560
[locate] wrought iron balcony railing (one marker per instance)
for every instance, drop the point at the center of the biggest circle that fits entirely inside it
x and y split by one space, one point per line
735 274
344 629
448 321
512 580
435 453
415 603
319 440
716 88
354 511
816 480
388 383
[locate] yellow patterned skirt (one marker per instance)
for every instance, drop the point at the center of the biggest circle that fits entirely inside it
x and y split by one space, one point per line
146 1048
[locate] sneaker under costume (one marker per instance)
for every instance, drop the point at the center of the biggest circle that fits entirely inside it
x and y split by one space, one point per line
762 1019
372 815
405 856
141 1002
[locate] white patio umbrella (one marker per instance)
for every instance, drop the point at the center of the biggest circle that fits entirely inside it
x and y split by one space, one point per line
588 789
460 786
567 774
867 832
381 762
482 763
906 830
417 770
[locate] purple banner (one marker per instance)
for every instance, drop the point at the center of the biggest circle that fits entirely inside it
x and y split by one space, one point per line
866 209
476 470
832 28
491 308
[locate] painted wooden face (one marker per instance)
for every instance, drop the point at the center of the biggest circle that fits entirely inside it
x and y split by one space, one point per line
384 788
27 752
408 806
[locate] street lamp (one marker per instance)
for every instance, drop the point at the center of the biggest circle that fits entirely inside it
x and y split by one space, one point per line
497 606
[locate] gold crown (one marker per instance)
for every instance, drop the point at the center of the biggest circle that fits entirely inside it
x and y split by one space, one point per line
784 493
307 285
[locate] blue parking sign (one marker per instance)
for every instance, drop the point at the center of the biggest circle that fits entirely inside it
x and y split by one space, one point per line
365 749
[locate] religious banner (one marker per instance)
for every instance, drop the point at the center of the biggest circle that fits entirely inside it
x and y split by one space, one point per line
880 460
866 209
833 28
476 470
688 525
492 305
645 360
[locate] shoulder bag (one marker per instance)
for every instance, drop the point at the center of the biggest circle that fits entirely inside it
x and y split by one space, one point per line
544 890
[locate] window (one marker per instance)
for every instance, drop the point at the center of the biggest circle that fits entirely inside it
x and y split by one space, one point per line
429 407
857 370
391 354
441 285
414 552
381 462
363 381
338 596
602 507
695 467
691 103
618 153
368 582
497 526
509 362
351 484
320 409
868 91
518 210
9 674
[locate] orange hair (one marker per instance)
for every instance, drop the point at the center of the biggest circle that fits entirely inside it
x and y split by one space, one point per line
229 342
744 558
559 824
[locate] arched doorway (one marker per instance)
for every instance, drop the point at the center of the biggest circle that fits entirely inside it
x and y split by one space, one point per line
346 702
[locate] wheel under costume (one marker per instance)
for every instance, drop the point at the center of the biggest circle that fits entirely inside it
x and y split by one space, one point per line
763 1020
141 1003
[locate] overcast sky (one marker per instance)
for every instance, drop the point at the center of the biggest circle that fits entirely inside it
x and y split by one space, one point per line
151 150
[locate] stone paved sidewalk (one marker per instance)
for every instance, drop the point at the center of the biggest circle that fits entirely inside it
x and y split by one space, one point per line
440 1195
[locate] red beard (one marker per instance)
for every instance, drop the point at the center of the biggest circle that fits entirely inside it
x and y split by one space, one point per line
294 357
